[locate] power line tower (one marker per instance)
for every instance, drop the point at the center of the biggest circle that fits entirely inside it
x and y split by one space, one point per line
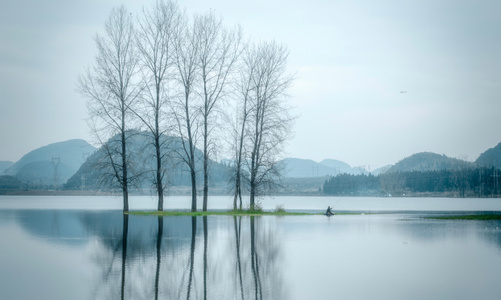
55 163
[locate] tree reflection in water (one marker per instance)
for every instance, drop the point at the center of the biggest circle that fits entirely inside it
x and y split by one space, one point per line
192 254
240 259
257 271
159 256
142 257
125 233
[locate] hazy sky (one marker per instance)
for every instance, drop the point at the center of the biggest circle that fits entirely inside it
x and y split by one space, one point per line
352 59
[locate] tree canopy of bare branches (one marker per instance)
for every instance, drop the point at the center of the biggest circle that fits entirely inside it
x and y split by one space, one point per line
173 77
269 122
156 36
111 87
218 53
185 109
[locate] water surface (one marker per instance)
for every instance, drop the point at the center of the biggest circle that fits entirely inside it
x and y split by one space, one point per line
74 251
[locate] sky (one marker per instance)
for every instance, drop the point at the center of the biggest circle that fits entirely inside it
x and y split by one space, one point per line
375 81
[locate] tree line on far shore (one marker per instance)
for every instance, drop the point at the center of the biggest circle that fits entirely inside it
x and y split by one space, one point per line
193 78
462 182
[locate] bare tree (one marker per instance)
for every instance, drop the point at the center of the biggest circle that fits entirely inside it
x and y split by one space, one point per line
111 88
269 120
185 109
243 91
217 56
156 35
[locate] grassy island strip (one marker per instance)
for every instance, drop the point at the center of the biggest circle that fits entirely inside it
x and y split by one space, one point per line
221 213
469 217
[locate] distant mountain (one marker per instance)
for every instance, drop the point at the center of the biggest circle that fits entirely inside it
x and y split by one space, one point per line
339 166
303 168
5 165
95 172
39 166
491 157
307 168
381 170
427 161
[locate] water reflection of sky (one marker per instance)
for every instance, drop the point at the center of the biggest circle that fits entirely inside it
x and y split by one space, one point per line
78 254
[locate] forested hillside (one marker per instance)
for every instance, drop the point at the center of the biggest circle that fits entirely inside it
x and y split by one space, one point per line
491 157
466 182
96 173
427 161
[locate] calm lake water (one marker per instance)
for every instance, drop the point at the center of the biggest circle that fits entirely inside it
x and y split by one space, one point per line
85 248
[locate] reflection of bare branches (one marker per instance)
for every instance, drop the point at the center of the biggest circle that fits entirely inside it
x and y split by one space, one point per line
237 244
125 232
106 258
157 258
192 253
107 255
159 248
255 262
257 265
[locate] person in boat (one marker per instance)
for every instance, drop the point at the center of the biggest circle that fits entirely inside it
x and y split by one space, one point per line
329 211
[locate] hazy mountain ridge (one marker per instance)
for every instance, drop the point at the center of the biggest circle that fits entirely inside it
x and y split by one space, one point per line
423 162
428 161
307 168
340 166
38 167
304 168
490 157
4 165
92 173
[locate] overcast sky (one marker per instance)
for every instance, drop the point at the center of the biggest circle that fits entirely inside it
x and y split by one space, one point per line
352 60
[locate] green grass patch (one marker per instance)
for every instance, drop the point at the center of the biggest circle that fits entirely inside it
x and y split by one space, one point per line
468 217
237 212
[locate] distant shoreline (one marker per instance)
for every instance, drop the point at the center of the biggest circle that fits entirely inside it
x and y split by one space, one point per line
53 193
182 192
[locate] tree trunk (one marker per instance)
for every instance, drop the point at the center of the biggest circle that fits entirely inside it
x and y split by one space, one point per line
193 189
125 183
191 156
206 168
237 185
159 181
252 191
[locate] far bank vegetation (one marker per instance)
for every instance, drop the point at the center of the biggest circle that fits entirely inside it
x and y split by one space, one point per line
459 182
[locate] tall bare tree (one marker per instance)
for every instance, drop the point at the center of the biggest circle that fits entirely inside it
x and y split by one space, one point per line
219 49
269 120
156 36
243 92
110 85
185 109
